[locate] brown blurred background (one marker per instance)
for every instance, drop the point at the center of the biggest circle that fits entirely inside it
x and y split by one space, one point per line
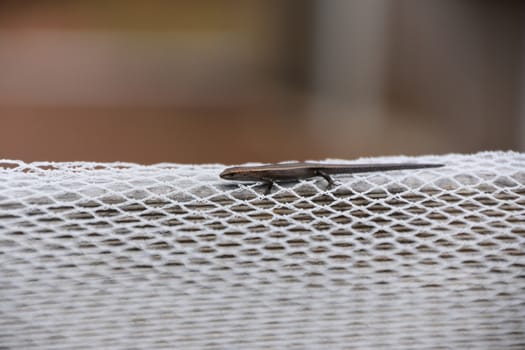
259 80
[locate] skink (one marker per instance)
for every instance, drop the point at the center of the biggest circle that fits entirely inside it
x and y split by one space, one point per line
296 171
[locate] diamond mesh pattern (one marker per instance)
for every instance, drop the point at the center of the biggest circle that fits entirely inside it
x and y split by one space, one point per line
169 256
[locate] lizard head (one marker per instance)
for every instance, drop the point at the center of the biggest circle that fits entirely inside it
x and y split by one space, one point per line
237 173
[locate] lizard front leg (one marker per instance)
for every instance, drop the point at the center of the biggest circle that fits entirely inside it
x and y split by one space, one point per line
269 185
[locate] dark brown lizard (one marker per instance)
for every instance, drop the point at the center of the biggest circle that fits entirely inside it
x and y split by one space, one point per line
283 172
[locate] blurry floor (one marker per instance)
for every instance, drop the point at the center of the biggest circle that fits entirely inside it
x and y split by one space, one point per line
200 136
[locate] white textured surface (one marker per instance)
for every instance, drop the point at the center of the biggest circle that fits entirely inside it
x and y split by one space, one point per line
169 256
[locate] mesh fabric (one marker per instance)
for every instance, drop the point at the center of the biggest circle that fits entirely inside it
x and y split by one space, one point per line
127 256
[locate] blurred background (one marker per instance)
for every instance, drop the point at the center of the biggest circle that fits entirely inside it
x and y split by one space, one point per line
259 80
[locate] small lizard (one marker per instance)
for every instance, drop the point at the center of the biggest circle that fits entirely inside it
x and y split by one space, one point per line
285 172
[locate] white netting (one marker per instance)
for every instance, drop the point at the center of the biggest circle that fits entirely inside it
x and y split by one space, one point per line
169 256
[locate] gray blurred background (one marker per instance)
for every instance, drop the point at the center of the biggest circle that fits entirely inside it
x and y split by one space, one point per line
259 80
